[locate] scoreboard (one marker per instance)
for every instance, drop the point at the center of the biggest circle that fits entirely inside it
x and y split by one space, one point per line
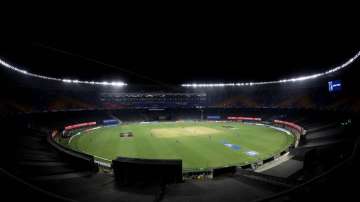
334 86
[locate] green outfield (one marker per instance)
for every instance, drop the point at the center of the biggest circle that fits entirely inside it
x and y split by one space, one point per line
200 145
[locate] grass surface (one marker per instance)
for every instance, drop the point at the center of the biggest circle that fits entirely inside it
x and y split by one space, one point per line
200 145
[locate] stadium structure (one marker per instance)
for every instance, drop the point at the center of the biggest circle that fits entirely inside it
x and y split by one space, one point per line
293 139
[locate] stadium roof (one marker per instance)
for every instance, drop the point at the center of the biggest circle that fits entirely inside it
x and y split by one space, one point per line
261 50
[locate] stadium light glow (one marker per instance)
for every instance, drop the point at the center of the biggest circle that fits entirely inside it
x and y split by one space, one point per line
296 79
72 81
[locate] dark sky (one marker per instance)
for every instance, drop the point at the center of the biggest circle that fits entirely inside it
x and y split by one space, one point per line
175 51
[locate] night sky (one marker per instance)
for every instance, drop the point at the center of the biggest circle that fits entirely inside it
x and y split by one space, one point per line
175 52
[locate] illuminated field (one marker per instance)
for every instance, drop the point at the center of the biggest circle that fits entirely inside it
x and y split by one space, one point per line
200 145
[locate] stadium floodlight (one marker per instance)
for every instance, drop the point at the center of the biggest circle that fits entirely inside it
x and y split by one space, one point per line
66 80
292 80
104 83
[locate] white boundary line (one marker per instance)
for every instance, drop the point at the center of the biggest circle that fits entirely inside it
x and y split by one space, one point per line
280 129
79 133
99 157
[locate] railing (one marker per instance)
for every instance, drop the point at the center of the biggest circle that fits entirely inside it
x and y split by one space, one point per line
268 178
